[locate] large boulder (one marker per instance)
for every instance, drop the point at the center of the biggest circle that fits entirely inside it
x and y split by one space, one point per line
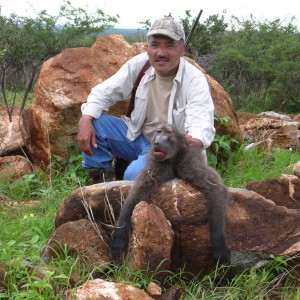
296 169
90 240
13 167
149 228
64 84
98 289
284 191
11 139
255 226
296 118
280 130
80 238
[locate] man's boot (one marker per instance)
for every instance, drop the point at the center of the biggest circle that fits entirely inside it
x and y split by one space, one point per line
101 175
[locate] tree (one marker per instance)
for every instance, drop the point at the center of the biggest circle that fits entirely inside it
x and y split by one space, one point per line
25 43
258 63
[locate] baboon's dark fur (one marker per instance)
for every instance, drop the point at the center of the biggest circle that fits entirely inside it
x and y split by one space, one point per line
170 158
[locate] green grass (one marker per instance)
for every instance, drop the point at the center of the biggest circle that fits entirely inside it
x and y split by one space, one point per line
246 166
15 99
25 229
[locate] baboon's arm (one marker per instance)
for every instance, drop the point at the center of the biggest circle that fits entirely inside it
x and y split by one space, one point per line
208 181
145 185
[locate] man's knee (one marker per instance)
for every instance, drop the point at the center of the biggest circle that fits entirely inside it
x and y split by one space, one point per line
135 168
130 174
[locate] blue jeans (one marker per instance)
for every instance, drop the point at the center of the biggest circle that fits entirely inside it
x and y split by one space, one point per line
112 141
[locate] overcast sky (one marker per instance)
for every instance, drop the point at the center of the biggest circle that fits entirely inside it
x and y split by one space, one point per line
132 12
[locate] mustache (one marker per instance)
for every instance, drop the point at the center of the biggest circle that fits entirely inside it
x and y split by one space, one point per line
161 58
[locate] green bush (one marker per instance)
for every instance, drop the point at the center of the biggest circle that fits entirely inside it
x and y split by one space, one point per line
258 64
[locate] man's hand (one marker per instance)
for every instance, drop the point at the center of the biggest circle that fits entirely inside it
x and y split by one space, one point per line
86 135
192 141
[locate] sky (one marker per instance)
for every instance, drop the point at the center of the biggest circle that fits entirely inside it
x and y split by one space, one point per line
132 12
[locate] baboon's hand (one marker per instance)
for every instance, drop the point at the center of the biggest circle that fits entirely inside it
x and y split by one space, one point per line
222 256
119 244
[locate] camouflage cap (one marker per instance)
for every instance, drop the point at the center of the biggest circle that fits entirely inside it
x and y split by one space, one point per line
169 27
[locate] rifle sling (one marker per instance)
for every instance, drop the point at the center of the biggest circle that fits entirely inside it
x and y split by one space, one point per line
136 84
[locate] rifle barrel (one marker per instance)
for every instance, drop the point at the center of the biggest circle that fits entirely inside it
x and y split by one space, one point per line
193 29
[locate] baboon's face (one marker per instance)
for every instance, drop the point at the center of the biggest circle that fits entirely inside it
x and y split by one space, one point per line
166 143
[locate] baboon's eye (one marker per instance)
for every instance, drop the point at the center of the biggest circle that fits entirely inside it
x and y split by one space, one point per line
159 130
168 130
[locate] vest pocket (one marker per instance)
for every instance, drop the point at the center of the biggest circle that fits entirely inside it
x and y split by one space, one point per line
179 117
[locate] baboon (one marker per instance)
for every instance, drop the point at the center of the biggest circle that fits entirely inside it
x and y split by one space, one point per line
169 158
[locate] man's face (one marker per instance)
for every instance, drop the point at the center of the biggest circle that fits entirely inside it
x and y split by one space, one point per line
164 54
